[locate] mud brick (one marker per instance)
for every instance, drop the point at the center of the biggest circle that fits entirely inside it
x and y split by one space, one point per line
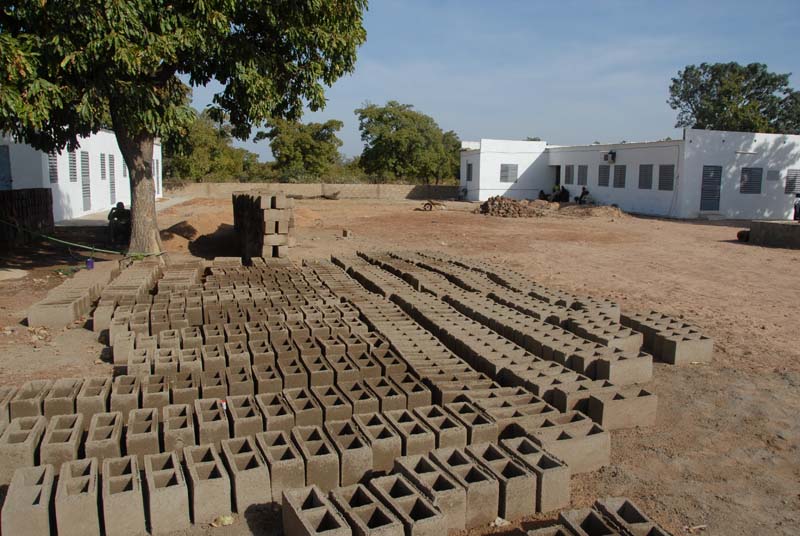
416 512
155 391
140 362
191 337
552 475
438 486
277 414
584 522
123 502
26 509
6 395
105 436
417 437
167 493
213 356
623 513
29 399
237 354
212 421
449 431
213 385
249 472
479 426
19 444
307 512
240 381
125 394
77 499
355 454
286 467
244 415
319 455
209 483
392 398
583 448
363 400
166 362
142 436
517 485
626 408
62 439
481 488
262 353
306 409
417 395
267 379
365 514
190 360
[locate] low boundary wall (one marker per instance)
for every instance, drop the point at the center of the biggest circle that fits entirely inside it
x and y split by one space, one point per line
30 208
223 190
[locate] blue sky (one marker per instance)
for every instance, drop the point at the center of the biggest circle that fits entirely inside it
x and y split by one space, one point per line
566 71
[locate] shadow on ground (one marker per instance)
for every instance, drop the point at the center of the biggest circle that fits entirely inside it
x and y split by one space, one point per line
224 242
183 229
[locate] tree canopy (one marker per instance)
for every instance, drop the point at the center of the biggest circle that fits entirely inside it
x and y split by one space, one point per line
304 150
405 143
70 68
730 96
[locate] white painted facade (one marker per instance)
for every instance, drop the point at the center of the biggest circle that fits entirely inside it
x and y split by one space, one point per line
66 173
663 178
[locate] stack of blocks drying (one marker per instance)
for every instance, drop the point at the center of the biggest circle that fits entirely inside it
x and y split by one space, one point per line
264 222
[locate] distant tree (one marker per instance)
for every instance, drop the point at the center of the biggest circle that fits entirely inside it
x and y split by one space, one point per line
535 138
69 68
729 96
303 150
402 142
595 142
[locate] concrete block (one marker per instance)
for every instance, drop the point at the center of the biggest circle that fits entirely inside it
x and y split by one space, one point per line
213 384
235 332
262 352
335 406
385 441
212 421
625 368
248 471
185 387
447 495
7 393
29 399
267 379
319 455
244 415
62 439
240 380
190 360
552 475
518 490
681 347
308 512
319 371
585 522
191 337
277 413
142 436
306 409
237 355
140 362
627 408
177 428
209 483
155 392
417 437
166 362
167 493
60 400
623 514
363 400
392 398
123 346
125 395
479 426
368 366
365 514
417 395
448 430
213 357
344 369
105 436
355 453
26 509
19 445
416 512
294 374
123 501
286 467
483 490
78 498
583 449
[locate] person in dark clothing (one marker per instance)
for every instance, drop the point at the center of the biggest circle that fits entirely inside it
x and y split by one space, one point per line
119 223
542 195
581 199
562 196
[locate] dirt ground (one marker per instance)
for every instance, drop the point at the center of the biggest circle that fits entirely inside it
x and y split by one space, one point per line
723 458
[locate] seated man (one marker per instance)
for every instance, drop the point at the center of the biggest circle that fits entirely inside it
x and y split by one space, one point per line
542 195
583 198
119 222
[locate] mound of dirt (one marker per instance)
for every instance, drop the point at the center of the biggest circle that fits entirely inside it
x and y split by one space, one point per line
505 207
591 211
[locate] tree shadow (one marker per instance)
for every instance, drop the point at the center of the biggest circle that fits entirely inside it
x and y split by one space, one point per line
182 229
224 242
46 254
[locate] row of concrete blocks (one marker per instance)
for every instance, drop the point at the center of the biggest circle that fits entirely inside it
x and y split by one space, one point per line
180 276
670 340
134 283
612 516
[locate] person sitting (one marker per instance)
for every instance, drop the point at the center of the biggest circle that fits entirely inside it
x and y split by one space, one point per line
562 196
583 198
542 195
119 223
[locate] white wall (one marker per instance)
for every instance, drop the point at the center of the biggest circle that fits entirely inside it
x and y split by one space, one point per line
631 198
531 163
28 168
472 187
732 151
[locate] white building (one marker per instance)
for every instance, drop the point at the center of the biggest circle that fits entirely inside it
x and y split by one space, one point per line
90 179
708 173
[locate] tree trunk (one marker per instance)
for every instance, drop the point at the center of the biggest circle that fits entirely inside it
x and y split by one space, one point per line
137 150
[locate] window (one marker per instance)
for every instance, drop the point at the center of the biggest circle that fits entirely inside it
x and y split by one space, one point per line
52 166
124 169
157 176
112 180
508 172
603 173
792 181
751 180
568 174
646 177
86 183
773 175
469 172
619 176
102 166
666 177
73 167
583 175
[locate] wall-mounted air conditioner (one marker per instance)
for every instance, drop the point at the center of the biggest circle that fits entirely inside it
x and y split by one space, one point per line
610 157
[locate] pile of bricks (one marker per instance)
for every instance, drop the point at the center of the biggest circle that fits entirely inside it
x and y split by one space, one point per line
264 222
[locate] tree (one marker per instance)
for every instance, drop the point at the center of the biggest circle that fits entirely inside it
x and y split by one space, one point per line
729 96
402 142
304 150
70 68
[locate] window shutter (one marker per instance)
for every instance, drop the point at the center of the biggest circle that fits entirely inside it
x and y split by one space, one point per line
619 176
751 181
86 184
792 181
102 166
52 166
603 173
583 175
469 172
73 167
508 172
666 177
646 176
568 173
112 180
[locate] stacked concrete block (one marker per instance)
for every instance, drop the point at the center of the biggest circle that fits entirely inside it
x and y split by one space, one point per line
383 438
19 445
415 511
142 436
670 340
286 467
479 426
308 512
482 489
62 439
125 395
264 223
122 497
26 509
365 514
552 475
319 455
355 453
104 439
209 483
448 430
78 498
518 486
248 471
28 401
447 495
418 437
